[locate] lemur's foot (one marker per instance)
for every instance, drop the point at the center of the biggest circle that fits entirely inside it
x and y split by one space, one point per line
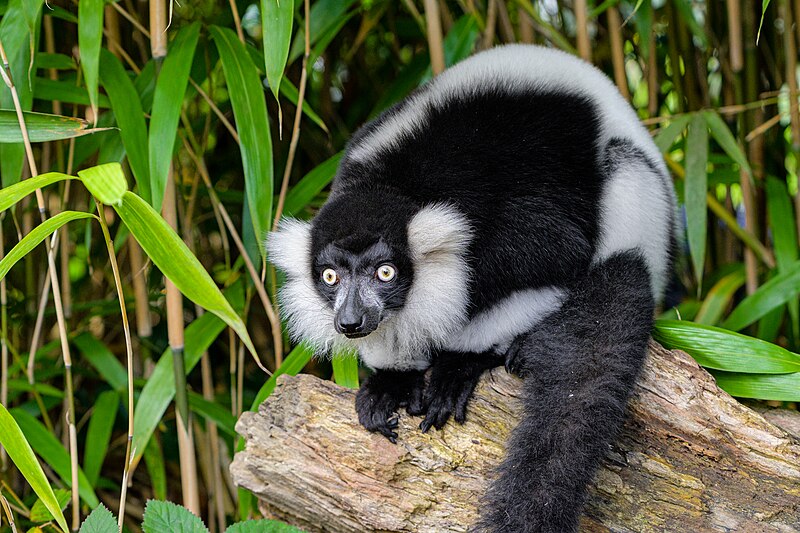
452 381
383 393
515 361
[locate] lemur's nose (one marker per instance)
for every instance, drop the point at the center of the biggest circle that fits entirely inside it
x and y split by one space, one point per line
350 325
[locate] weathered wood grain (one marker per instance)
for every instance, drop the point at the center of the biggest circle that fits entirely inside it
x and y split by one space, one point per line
690 458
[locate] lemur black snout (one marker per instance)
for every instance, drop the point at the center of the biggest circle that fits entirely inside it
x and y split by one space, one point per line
350 324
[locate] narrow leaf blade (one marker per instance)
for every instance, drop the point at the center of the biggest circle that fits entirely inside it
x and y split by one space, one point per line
276 24
90 37
695 192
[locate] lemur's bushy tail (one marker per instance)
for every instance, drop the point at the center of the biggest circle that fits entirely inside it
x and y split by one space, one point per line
579 366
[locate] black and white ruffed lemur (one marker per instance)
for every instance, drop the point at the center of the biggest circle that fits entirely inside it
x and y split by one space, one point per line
511 211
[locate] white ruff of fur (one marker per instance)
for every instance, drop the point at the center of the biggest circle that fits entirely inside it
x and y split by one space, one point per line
435 307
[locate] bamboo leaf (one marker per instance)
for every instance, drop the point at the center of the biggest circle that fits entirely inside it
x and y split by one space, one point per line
345 370
167 100
100 357
171 255
764 6
774 293
14 193
160 387
778 387
98 434
325 15
250 111
305 190
292 94
130 117
213 411
64 91
54 61
42 127
784 236
667 135
36 236
276 24
39 511
156 469
718 298
724 350
90 37
687 15
47 446
297 359
722 134
19 450
106 182
695 192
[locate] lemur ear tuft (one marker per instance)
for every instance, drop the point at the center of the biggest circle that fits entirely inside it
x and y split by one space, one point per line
289 247
438 228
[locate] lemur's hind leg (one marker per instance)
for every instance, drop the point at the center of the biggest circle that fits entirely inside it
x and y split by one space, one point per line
579 365
452 381
383 393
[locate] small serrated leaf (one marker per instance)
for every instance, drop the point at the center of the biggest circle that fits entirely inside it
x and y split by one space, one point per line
262 526
160 517
100 521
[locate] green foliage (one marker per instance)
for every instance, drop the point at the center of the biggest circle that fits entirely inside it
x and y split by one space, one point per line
100 520
160 517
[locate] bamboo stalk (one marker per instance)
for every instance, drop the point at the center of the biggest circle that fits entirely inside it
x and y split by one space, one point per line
652 77
791 79
617 51
62 330
174 299
129 352
237 21
491 24
735 35
582 29
526 34
435 41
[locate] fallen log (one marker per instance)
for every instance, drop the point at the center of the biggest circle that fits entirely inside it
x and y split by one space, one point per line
690 458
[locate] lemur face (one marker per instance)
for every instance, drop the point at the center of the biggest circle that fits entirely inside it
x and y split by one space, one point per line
363 281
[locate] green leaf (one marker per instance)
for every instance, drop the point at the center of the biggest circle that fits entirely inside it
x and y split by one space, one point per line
50 449
292 94
262 526
36 236
345 370
98 434
214 412
695 191
722 134
305 190
458 43
325 15
666 136
724 350
90 37
774 293
167 101
101 358
13 441
171 255
14 193
779 387
250 111
42 127
764 6
106 182
39 511
784 236
276 27
160 387
55 61
100 520
297 359
154 459
160 517
65 92
718 298
686 13
130 116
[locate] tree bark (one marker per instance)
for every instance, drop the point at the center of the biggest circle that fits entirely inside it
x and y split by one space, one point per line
690 458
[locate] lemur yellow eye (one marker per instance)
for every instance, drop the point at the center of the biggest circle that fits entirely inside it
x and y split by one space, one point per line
386 273
330 276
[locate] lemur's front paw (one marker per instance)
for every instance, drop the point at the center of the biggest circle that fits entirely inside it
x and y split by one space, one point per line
515 359
382 394
452 382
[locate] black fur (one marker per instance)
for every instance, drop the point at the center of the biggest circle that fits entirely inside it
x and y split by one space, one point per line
579 365
383 393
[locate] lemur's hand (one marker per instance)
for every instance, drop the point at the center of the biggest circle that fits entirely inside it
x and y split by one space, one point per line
452 382
383 393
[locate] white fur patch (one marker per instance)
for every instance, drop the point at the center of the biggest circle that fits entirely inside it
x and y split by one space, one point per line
515 68
634 210
435 307
499 325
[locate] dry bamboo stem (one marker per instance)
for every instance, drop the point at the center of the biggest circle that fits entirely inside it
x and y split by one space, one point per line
582 29
526 34
506 28
617 52
735 35
435 42
62 329
237 20
491 24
